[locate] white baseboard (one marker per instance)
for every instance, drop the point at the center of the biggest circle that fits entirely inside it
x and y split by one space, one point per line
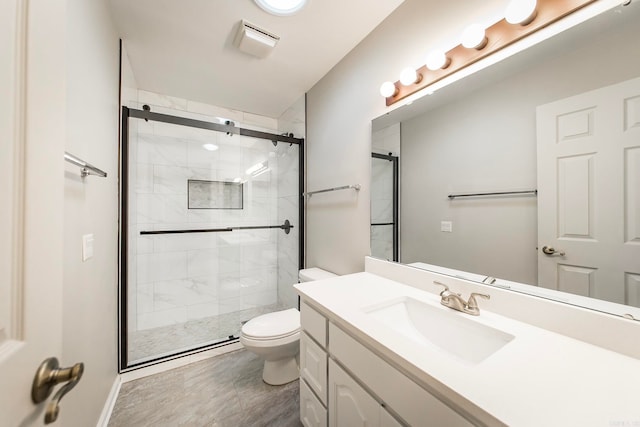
103 421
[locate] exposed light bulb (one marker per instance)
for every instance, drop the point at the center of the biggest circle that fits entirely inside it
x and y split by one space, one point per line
409 76
473 37
210 147
388 89
436 60
521 12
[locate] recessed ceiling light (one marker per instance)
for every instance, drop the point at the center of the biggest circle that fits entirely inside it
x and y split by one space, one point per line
210 147
281 7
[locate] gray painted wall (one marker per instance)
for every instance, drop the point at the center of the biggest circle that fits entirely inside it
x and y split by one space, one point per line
340 108
91 206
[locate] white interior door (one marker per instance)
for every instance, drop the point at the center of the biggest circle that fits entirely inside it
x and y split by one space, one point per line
32 131
589 193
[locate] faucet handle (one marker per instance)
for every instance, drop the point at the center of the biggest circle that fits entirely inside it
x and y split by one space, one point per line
472 303
446 288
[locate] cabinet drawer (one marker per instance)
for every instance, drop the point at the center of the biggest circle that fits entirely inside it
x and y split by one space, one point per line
313 366
314 324
312 413
413 403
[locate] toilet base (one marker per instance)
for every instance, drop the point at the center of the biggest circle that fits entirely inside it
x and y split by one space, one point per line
282 371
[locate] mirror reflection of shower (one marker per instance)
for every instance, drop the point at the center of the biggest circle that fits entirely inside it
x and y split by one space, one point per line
385 194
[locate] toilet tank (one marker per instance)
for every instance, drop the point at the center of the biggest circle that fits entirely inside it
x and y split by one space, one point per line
311 274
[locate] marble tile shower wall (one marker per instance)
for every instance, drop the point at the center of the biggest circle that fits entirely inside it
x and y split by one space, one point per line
182 277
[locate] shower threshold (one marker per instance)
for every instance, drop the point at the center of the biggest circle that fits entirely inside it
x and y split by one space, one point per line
163 342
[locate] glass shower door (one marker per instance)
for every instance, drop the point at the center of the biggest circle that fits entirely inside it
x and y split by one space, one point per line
384 206
212 241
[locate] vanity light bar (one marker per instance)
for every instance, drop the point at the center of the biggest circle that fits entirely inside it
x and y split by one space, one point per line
498 36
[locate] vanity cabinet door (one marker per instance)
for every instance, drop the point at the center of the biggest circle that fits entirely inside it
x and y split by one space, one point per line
313 366
349 404
312 413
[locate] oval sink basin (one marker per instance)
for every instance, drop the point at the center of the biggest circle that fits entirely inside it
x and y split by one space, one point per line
441 328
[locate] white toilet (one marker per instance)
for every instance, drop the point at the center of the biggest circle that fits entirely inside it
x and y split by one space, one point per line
275 337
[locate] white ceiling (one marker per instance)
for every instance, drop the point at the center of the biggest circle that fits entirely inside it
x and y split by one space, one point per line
185 48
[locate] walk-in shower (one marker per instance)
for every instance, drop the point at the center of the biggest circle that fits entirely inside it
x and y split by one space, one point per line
211 227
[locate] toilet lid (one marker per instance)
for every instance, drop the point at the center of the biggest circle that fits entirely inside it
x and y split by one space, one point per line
273 325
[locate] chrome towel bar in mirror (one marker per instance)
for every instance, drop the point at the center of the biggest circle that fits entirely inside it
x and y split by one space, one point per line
344 187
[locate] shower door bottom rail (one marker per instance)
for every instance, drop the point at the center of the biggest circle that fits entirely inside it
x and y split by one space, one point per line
286 227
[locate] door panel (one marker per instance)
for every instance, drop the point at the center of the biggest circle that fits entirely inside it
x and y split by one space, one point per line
632 195
575 280
632 291
589 193
575 193
32 139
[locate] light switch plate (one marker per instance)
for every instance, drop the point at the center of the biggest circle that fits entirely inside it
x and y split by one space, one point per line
87 246
446 226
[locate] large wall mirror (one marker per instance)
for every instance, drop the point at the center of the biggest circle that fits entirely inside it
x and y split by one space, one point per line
557 128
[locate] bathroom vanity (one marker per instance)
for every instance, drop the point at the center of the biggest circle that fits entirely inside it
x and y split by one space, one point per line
383 351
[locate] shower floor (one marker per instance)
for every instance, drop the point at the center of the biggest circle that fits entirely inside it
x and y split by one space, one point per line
160 342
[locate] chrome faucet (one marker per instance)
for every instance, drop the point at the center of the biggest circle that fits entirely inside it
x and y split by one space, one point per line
455 301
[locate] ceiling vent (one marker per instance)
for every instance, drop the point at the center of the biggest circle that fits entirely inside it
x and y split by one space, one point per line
254 40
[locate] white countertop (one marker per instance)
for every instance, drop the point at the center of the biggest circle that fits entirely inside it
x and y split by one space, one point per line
540 378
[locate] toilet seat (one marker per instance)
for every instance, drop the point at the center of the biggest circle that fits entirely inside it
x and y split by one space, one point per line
275 337
273 326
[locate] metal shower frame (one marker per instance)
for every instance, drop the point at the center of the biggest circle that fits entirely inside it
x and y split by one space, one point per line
230 128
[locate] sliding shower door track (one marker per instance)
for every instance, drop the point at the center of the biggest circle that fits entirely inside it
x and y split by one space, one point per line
162 359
